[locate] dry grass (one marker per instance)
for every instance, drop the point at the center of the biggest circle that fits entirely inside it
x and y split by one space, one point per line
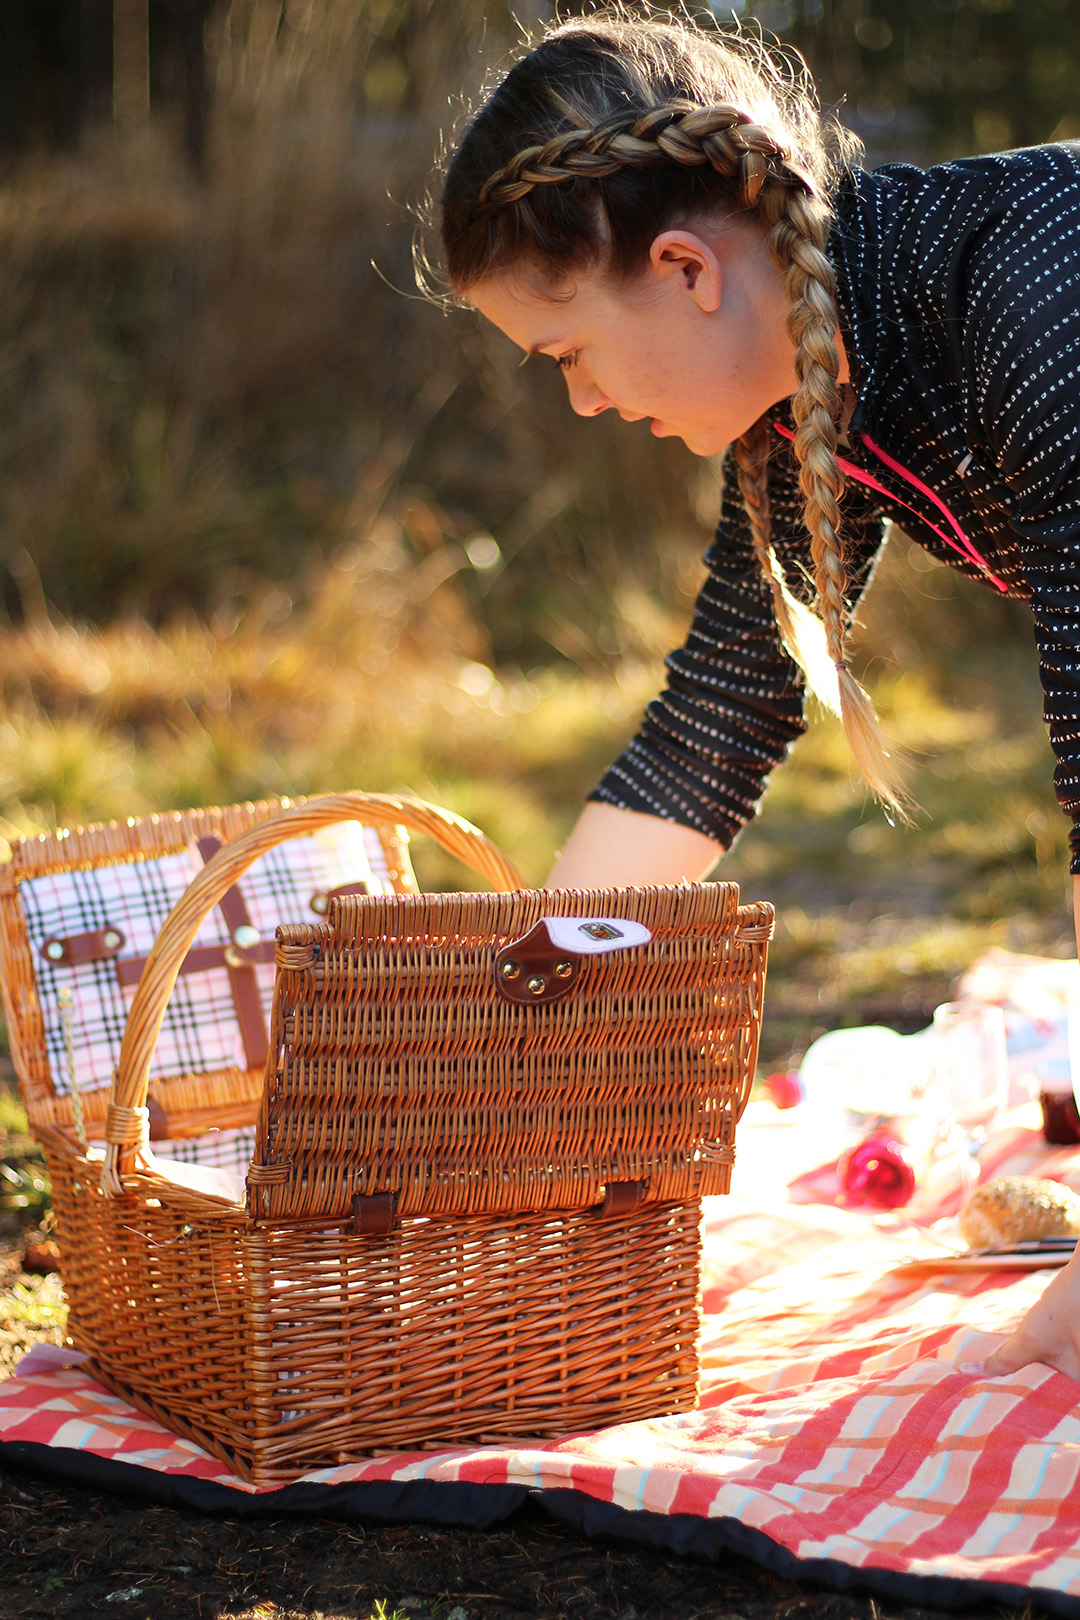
268 526
372 679
206 383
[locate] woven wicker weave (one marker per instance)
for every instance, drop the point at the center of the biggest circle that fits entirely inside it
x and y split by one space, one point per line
468 1216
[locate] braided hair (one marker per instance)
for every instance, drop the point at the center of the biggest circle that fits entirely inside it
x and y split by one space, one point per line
606 134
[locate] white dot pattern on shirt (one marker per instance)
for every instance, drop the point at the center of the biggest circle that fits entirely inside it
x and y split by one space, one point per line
960 296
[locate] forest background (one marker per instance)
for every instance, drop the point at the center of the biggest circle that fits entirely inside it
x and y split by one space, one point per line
272 523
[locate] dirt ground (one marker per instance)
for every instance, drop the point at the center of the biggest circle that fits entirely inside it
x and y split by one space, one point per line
73 1553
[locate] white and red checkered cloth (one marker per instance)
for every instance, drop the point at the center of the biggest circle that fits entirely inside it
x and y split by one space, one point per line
835 1434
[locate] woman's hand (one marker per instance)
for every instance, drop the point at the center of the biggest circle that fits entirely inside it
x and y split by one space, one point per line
1050 1332
611 848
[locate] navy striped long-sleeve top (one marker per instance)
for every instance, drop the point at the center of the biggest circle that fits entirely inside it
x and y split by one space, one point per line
959 297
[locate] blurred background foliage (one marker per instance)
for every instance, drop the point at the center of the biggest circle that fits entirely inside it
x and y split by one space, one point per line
926 80
269 521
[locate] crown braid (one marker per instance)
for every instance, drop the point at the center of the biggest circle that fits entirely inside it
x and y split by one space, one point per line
758 173
720 136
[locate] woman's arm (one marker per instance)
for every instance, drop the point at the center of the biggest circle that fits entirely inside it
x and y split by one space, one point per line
613 848
733 702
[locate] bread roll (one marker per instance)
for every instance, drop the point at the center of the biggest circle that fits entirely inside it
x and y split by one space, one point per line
1015 1209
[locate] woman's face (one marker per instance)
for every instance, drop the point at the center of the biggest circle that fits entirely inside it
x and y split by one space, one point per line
697 345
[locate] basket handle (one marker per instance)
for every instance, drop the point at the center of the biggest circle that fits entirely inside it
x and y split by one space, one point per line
126 1124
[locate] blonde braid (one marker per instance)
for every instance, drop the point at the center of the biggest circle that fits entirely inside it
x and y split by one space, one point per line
766 181
796 244
800 632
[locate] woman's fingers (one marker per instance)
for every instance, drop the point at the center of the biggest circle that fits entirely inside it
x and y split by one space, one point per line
1049 1333
1017 1352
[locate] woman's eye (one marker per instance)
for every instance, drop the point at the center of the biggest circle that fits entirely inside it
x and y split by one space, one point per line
566 361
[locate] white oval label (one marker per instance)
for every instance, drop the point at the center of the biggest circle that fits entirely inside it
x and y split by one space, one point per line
592 936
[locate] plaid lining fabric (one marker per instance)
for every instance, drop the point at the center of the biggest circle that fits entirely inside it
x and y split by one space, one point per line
200 1033
833 1417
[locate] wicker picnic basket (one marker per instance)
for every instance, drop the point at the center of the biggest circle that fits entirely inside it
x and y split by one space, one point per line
473 1204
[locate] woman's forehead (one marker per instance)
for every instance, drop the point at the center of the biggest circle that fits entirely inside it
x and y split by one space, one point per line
532 320
525 288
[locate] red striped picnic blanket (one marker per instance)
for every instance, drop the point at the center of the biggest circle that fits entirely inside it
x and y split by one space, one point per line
835 1440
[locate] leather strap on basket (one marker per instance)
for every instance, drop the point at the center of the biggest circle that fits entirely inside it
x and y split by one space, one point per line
75 950
206 891
373 1214
531 970
239 958
320 900
621 1198
242 980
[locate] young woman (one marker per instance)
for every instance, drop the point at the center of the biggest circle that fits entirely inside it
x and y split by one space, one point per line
660 212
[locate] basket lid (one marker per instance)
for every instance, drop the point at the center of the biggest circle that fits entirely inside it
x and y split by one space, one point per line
486 1054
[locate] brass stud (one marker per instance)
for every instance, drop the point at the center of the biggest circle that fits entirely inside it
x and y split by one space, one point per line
246 937
510 969
54 951
563 970
233 958
113 940
537 985
320 904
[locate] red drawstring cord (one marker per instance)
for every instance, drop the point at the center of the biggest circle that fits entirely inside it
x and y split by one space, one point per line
848 468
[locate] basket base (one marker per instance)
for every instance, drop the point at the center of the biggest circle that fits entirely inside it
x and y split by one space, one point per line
247 1466
286 1351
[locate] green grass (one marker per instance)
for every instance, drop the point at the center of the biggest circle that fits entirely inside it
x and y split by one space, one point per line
15 1139
25 1190
33 1311
35 1304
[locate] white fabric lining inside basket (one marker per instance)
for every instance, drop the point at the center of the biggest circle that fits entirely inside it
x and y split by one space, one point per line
201 1178
216 1163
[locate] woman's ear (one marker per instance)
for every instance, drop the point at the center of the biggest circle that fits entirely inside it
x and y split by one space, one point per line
684 254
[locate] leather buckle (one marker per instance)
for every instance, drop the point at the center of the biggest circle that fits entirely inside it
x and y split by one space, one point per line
532 970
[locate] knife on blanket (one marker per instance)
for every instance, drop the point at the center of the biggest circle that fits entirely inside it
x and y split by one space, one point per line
1035 1254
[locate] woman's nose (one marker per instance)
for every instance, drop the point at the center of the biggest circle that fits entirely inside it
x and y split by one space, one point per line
585 397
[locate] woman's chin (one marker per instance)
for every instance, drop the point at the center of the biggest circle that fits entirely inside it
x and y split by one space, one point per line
703 444
700 442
